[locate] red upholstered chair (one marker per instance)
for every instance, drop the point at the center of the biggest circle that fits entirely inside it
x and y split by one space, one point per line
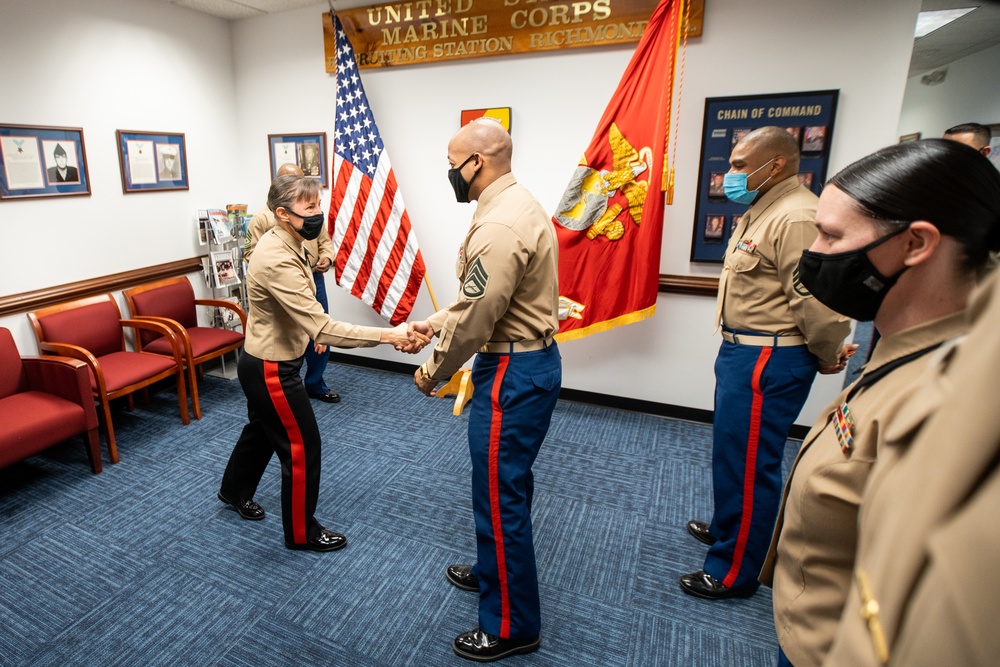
92 331
43 401
172 302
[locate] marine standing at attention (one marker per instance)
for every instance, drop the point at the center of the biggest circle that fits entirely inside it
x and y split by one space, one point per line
775 336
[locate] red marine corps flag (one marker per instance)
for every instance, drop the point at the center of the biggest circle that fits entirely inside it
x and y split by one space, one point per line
378 260
610 219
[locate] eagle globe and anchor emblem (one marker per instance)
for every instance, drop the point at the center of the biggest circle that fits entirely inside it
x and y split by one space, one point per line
585 204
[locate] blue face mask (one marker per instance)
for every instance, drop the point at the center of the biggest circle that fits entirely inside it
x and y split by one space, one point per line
735 186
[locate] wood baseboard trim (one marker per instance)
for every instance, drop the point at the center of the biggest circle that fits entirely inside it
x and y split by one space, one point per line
693 285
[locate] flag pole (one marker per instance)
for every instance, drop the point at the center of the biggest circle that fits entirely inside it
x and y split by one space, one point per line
430 291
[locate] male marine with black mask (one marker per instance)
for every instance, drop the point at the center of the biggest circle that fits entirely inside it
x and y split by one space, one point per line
776 336
505 314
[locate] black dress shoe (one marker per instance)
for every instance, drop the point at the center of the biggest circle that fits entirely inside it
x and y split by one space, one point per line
699 529
247 509
703 585
328 397
481 647
460 576
327 540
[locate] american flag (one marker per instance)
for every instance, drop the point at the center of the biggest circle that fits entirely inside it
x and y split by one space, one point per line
378 260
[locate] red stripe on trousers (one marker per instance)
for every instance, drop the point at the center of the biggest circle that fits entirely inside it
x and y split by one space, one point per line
495 426
749 474
297 447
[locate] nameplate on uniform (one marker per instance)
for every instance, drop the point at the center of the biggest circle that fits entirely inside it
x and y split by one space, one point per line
843 420
476 280
747 246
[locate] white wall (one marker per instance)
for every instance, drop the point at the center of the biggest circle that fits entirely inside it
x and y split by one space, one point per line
969 93
105 66
557 99
273 81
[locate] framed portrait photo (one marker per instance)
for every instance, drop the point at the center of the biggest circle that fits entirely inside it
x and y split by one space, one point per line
38 161
152 161
308 151
714 227
814 139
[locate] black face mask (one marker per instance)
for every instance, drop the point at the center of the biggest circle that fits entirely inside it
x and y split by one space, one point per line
458 183
311 225
847 282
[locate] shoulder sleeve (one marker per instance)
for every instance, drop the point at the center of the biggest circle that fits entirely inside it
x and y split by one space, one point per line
823 329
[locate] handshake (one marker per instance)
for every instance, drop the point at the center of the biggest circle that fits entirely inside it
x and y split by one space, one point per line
409 338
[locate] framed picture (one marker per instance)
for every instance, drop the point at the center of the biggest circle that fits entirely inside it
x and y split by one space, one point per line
500 114
152 161
308 151
814 139
714 228
909 137
716 187
38 161
808 117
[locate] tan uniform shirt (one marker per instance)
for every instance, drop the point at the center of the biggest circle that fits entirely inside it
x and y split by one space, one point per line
759 289
319 247
508 267
284 313
812 552
929 543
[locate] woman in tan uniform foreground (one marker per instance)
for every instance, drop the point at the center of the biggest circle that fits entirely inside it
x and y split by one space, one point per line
903 234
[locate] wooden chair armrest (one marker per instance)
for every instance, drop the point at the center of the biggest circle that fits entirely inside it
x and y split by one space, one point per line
174 326
64 377
67 350
77 352
222 303
180 354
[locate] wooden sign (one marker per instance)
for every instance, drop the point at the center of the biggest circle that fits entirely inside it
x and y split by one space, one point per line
425 31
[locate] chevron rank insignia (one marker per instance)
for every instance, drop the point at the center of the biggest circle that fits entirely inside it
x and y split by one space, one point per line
476 280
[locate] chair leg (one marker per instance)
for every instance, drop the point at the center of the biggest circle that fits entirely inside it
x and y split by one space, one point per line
195 401
94 450
131 400
182 396
109 429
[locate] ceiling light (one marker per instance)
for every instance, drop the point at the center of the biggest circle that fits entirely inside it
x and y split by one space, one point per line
928 22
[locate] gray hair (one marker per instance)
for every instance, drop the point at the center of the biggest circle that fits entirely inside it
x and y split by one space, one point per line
288 189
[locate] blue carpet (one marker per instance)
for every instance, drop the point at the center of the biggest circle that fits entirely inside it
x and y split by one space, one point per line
142 565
